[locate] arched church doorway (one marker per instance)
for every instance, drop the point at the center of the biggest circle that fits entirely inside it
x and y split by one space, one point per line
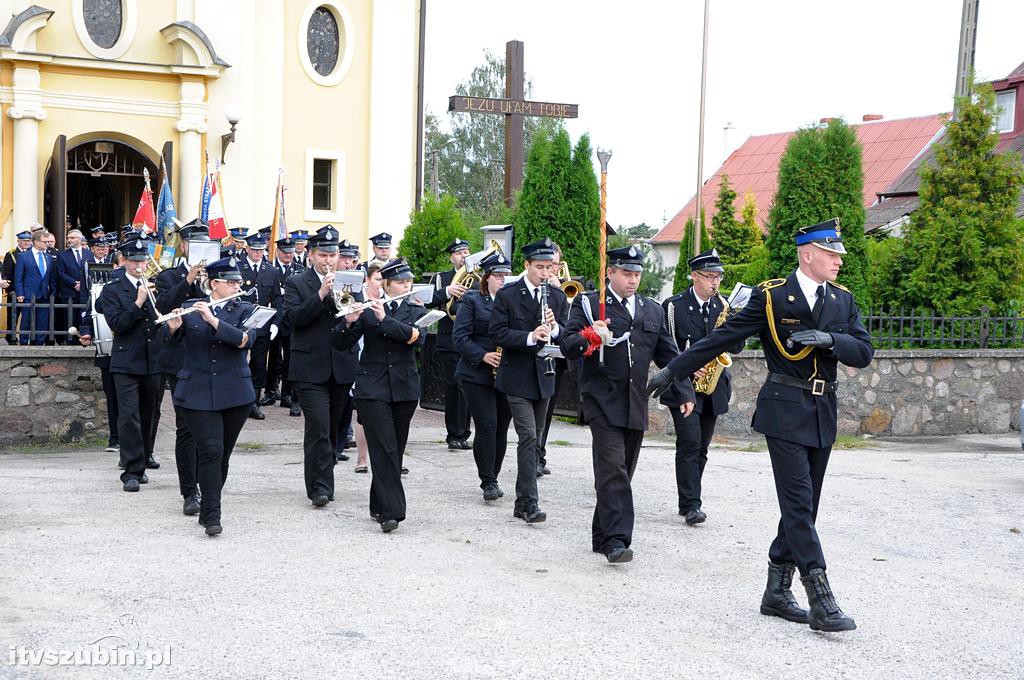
96 182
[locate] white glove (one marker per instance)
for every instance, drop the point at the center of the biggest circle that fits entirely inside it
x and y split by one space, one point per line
273 331
604 333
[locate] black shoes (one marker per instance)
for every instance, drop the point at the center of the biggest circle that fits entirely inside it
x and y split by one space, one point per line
491 492
351 443
121 464
295 411
405 470
255 413
340 456
620 554
778 599
320 501
530 515
459 444
191 505
131 485
286 401
268 399
213 528
542 470
389 525
151 463
144 479
695 516
825 612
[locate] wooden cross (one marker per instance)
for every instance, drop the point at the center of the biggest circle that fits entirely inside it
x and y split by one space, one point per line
513 107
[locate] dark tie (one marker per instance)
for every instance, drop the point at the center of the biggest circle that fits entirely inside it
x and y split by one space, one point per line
536 295
394 307
138 284
704 314
819 302
78 257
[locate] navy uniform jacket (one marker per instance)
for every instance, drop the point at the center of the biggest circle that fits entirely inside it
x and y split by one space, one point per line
283 273
784 411
172 290
265 286
514 315
215 372
69 272
686 326
10 259
136 348
471 337
445 326
618 391
312 358
387 366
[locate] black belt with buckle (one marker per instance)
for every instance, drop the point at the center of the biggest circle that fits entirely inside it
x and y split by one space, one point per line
817 387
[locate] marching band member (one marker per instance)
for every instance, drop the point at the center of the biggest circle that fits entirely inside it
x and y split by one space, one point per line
476 370
456 411
259 280
388 386
214 389
374 291
134 359
321 376
380 246
519 328
285 267
614 403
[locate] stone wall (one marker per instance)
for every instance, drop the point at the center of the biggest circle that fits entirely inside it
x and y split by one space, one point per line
902 392
50 394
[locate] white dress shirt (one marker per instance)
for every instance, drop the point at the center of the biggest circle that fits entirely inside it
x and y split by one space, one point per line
530 341
809 288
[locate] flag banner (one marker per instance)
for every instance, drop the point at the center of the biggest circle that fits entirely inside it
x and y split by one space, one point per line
145 216
279 226
165 211
212 211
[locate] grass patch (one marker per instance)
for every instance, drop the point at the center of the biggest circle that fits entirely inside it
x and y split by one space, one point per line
561 442
253 446
845 441
90 442
566 419
754 446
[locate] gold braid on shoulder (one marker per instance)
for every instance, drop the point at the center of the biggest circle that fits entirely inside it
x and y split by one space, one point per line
766 287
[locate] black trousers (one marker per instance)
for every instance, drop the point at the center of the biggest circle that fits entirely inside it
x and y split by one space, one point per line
215 434
693 436
386 425
111 394
322 405
275 363
528 419
186 458
12 316
258 359
456 410
136 404
615 451
799 472
492 417
344 423
561 366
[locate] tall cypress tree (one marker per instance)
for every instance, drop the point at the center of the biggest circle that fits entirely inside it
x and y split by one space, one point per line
680 282
964 245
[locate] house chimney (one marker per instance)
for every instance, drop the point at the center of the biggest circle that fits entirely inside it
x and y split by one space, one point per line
868 117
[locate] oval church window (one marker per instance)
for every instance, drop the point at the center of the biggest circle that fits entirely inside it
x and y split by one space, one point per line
103 21
323 41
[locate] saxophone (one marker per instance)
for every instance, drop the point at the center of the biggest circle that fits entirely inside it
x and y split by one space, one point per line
713 369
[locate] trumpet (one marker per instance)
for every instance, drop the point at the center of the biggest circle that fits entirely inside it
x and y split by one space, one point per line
570 286
177 314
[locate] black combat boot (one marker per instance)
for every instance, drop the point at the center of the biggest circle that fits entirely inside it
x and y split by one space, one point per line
778 599
825 612
255 413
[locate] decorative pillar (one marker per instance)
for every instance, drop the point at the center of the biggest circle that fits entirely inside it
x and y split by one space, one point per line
191 126
26 111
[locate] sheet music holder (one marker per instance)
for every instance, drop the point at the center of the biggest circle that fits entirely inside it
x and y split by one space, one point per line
430 318
740 296
259 317
202 250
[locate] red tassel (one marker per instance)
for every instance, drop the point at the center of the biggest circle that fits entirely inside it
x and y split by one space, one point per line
591 335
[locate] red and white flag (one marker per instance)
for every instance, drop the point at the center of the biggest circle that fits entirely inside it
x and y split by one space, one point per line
212 211
145 216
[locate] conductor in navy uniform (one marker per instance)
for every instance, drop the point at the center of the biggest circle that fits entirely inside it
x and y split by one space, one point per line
134 359
613 394
321 376
213 391
519 328
807 324
692 315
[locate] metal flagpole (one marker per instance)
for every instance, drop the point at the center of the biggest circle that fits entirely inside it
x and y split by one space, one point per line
700 141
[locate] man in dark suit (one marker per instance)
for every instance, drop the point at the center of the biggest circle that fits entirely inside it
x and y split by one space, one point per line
301 238
321 376
380 247
692 315
173 287
808 324
614 398
35 280
456 411
285 267
260 280
134 360
528 381
71 267
7 281
348 260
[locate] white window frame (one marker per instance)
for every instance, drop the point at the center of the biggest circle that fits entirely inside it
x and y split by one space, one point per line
346 33
129 22
337 214
1008 108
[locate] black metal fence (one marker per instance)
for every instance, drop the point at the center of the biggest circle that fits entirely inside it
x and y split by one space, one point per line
38 322
920 329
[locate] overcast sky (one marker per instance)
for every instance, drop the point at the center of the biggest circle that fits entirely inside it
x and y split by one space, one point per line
773 65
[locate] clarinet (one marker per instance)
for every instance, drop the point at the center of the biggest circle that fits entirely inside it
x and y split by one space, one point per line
549 362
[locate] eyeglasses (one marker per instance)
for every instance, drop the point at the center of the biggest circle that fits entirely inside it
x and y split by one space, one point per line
710 277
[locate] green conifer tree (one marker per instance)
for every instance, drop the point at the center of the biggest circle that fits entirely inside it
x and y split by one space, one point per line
430 230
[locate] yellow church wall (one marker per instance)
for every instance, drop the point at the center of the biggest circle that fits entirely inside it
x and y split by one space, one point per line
146 45
328 118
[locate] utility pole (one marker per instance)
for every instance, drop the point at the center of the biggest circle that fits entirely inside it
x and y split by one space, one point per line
700 141
965 56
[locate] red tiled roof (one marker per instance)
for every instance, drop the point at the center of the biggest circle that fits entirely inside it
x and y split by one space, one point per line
888 147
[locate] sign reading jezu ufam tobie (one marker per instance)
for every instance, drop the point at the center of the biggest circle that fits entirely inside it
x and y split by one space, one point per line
520 107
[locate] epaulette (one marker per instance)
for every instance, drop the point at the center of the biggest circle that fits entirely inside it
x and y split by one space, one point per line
771 283
839 286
